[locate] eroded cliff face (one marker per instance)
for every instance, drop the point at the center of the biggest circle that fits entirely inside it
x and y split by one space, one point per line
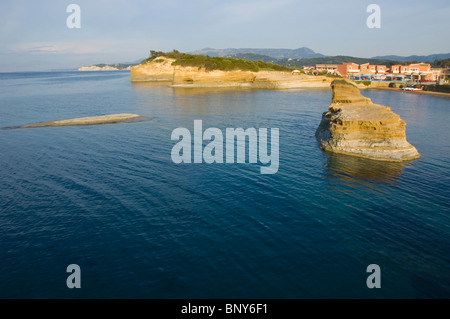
102 68
161 69
354 125
194 75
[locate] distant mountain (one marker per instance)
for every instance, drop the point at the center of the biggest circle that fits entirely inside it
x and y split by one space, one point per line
306 53
333 60
300 53
313 61
304 56
254 57
418 58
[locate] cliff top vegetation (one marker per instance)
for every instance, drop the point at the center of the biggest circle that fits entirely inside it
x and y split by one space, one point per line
216 63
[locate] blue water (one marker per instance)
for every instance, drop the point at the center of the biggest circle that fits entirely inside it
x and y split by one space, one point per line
110 199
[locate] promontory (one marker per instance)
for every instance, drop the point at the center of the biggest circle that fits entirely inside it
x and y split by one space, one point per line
187 70
354 125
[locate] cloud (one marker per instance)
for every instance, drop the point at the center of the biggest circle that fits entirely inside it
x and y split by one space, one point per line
56 48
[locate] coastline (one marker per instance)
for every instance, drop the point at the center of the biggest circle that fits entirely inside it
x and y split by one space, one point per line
274 85
163 70
442 94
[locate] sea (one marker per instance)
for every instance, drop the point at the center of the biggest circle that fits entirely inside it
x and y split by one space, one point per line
109 198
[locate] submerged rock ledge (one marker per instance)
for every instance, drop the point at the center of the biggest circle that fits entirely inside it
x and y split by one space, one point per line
90 120
354 125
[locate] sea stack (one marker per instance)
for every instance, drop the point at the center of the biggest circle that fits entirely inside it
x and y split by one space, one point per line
353 125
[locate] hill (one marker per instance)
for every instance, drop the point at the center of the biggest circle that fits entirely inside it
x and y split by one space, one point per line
418 58
293 58
313 61
215 63
333 60
300 53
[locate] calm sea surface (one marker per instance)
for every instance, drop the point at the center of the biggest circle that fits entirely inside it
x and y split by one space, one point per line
110 199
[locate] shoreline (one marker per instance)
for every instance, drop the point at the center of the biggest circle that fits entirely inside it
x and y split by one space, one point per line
442 94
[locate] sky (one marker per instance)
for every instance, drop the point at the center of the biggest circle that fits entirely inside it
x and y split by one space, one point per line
34 35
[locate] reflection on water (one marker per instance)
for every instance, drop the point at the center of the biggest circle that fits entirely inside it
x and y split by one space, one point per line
151 86
197 101
361 171
208 90
183 90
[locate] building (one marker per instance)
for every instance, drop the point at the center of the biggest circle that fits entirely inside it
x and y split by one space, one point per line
381 69
330 68
416 72
346 69
420 72
439 75
365 68
395 69
404 69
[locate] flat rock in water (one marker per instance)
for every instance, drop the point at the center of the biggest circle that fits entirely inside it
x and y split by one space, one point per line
90 120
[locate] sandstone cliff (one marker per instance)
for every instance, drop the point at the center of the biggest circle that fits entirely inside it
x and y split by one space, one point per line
102 68
161 69
354 125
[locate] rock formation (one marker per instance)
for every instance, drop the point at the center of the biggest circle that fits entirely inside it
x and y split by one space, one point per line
354 125
161 69
90 120
103 68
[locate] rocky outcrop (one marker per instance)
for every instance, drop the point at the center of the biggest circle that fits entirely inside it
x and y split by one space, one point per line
90 120
102 68
354 125
161 69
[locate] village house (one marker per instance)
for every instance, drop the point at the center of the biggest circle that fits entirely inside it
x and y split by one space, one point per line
420 72
345 69
381 69
395 69
330 68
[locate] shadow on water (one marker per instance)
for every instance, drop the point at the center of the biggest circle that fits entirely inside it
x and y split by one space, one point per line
209 90
357 170
144 86
167 86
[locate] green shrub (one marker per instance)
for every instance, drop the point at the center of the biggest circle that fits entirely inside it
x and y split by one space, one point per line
366 83
333 75
342 81
216 63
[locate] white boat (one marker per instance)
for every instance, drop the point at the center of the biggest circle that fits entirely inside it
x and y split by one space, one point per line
412 88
